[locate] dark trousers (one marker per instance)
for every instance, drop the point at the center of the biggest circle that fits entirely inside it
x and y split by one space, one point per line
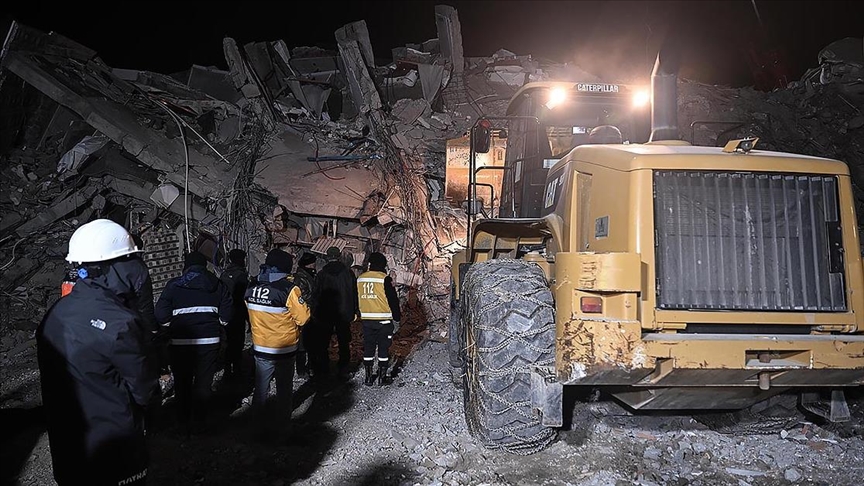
236 337
343 337
377 335
159 348
316 340
318 344
281 368
193 367
304 355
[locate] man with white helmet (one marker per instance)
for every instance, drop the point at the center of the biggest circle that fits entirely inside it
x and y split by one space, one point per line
97 376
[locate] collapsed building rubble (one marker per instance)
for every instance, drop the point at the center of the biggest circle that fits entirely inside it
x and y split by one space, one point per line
821 114
306 148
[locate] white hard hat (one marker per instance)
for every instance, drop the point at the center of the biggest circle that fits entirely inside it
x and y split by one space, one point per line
100 240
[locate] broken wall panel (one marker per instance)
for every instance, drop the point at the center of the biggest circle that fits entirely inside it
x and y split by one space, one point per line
214 82
163 254
115 120
450 36
363 90
359 33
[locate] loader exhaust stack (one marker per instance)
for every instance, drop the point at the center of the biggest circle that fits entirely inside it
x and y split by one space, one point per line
664 93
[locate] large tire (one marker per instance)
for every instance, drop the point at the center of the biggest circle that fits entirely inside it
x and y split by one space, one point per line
508 314
455 334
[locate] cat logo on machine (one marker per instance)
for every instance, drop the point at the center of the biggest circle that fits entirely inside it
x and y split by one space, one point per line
597 88
551 188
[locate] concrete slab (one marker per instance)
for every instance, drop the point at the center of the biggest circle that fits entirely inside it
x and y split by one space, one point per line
282 171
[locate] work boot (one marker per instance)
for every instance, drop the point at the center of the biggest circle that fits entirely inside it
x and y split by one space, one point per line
370 378
383 377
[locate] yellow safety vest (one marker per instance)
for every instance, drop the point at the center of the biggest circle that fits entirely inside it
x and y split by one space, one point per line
276 313
373 299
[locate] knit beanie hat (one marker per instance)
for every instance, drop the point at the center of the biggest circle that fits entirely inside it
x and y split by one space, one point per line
306 259
280 259
333 253
195 259
377 261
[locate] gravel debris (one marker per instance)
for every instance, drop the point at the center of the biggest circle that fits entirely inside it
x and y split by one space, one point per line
413 432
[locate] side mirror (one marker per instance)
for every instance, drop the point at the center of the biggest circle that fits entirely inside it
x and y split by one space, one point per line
482 137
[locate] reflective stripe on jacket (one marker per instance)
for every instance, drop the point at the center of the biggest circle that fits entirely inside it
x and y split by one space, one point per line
276 313
373 297
193 307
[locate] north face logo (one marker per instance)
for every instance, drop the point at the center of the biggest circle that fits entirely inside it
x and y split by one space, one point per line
98 324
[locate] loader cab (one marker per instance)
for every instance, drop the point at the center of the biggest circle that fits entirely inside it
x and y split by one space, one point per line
546 120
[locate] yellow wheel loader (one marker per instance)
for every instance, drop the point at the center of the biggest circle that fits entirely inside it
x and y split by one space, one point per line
674 276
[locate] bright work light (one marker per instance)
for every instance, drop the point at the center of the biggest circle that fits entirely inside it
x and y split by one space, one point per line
556 97
641 98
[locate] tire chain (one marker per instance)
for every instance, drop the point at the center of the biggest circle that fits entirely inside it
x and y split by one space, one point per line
541 439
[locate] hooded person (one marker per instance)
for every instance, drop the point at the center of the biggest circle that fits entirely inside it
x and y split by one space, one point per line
335 308
133 272
96 373
304 277
236 279
277 312
380 313
194 307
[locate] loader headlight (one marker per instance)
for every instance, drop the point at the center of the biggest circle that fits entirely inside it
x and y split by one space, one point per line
641 98
556 97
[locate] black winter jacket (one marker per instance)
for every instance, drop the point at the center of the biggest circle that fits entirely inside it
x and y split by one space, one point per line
236 280
96 378
194 306
128 273
335 294
392 298
305 279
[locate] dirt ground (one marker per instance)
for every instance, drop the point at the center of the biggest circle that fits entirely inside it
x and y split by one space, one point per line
413 432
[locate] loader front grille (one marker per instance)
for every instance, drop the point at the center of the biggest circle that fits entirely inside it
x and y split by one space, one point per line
748 241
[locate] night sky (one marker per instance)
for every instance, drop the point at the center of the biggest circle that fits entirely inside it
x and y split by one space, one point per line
616 40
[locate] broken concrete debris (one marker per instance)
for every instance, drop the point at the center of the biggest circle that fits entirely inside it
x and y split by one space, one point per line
305 148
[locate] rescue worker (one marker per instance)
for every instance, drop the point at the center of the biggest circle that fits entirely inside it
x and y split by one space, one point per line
133 271
96 373
380 313
335 308
194 307
236 280
277 312
304 277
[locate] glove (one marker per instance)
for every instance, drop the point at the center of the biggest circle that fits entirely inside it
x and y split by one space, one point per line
395 327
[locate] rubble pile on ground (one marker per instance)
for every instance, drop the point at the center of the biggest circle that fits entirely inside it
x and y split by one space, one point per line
414 433
306 148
